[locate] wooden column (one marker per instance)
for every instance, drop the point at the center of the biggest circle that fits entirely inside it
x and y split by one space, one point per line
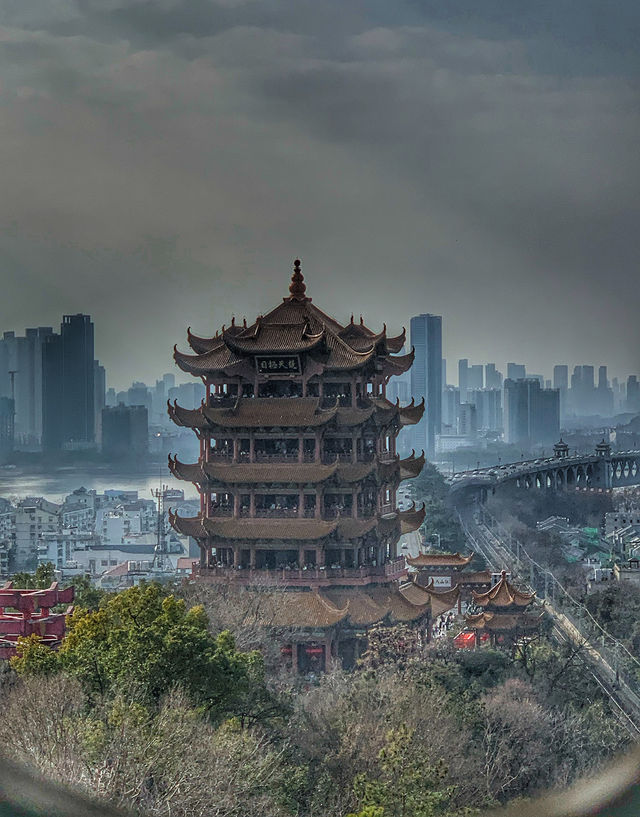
354 447
318 513
252 447
252 504
318 447
320 556
301 556
252 558
300 448
301 503
354 502
236 556
236 448
236 505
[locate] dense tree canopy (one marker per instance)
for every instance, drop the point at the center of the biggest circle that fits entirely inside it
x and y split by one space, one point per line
146 642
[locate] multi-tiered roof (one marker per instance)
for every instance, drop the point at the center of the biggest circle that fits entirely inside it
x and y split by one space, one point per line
297 465
504 609
295 327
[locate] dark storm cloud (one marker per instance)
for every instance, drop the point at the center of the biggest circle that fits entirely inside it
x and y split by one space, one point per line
164 160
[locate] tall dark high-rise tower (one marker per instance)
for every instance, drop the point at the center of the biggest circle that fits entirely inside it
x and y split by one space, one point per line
426 377
68 382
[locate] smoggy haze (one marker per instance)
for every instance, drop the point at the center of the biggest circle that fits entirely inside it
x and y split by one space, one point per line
164 161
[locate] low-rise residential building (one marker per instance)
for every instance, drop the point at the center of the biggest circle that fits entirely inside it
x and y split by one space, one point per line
33 516
59 547
79 509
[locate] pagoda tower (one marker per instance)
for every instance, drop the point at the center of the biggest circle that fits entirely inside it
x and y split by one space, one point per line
298 469
505 614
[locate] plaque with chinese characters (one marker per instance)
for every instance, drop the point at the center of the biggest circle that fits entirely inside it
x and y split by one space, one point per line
278 364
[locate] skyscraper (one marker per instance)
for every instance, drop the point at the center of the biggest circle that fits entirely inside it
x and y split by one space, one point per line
426 377
125 431
476 377
463 378
21 380
516 371
492 377
99 396
561 377
488 403
603 382
68 379
633 393
531 414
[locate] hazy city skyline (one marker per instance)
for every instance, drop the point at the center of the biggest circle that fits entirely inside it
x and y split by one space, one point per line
164 162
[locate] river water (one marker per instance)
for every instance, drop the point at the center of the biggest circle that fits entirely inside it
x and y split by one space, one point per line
55 483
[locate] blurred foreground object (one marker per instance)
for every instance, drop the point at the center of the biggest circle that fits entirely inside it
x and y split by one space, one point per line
615 793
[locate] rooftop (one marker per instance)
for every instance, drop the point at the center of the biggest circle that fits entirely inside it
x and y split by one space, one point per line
294 327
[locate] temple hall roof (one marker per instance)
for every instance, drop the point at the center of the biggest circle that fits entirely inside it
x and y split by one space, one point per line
503 595
439 560
304 609
372 604
501 622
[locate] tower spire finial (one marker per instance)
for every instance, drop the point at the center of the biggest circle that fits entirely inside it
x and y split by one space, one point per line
297 287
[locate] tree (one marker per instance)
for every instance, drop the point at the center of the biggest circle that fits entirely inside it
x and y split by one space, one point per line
34 658
406 786
43 577
86 593
146 642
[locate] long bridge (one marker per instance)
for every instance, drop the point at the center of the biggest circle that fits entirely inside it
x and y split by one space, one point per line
600 470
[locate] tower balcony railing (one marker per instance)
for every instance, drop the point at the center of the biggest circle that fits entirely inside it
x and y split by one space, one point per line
221 455
309 576
281 456
221 511
327 514
276 513
222 400
327 401
386 508
334 513
329 457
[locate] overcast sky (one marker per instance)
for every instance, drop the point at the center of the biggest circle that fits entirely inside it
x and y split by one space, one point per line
164 161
